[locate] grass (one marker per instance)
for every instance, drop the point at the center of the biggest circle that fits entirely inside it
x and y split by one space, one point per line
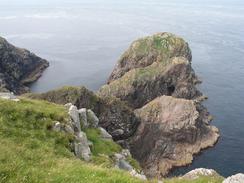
30 153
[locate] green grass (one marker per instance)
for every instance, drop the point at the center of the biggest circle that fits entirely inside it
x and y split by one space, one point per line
30 152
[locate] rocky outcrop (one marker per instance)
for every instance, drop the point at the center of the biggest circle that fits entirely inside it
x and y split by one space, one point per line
18 68
155 78
171 132
153 66
113 114
238 178
195 174
145 51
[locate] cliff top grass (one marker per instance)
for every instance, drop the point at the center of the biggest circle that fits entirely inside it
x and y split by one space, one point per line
30 152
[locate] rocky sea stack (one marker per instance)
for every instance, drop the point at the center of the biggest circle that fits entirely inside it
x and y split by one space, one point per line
18 68
155 78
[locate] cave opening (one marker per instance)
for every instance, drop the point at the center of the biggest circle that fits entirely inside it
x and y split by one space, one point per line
171 89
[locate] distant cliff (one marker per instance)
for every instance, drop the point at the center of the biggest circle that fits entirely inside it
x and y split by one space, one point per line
18 68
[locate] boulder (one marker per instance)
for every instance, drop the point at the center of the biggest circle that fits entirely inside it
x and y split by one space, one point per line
124 165
238 178
74 114
105 134
83 117
92 119
195 174
171 132
134 173
18 68
81 147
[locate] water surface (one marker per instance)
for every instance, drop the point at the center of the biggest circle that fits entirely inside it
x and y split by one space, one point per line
83 39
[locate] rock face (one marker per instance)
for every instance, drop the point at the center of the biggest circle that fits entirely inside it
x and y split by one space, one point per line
171 131
155 78
153 66
18 68
145 51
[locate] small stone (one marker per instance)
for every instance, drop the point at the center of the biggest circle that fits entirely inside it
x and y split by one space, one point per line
124 165
68 129
126 152
105 134
57 126
83 117
137 175
119 156
68 105
238 178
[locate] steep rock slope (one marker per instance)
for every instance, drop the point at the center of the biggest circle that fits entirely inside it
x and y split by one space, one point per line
171 131
153 66
18 68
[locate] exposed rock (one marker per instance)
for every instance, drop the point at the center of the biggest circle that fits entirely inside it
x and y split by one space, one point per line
238 178
171 132
9 96
134 173
57 126
18 68
113 114
118 132
74 114
92 119
83 117
145 51
81 146
69 129
124 165
141 85
195 174
105 134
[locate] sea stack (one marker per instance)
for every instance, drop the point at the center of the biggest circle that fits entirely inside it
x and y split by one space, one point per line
18 68
155 78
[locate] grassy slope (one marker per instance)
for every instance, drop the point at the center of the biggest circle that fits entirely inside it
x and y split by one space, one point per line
29 152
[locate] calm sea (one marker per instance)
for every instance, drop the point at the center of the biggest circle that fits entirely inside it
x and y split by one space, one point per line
83 39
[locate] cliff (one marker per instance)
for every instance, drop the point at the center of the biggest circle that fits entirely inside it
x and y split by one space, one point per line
155 78
18 68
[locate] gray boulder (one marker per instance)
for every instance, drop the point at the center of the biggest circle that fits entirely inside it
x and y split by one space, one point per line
105 134
92 119
81 147
57 126
238 178
83 117
74 114
124 165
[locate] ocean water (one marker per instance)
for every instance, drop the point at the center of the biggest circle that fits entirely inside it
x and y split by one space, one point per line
83 39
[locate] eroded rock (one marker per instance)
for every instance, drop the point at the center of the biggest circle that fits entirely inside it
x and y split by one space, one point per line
18 68
171 132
